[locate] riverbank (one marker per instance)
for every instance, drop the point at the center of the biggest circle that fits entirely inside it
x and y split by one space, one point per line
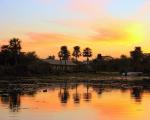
73 77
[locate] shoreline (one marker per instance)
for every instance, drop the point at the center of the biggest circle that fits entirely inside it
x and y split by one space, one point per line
71 77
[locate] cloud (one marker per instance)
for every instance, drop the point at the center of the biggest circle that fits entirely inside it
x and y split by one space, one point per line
46 36
118 31
87 7
109 35
51 39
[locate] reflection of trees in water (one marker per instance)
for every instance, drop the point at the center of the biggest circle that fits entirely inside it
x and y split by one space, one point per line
5 99
31 93
14 102
64 94
136 93
99 89
87 96
76 95
12 98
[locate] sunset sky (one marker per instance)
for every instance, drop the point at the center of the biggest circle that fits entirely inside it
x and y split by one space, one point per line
110 27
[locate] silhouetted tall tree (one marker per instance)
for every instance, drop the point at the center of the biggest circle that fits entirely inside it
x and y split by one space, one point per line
76 53
137 57
87 52
11 52
137 54
64 53
15 46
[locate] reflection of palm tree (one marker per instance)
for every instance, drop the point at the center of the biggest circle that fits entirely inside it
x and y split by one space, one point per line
5 99
98 88
87 96
76 95
64 95
136 93
14 102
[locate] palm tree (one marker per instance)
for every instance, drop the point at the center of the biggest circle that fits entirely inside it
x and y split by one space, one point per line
15 46
64 53
87 52
76 53
15 49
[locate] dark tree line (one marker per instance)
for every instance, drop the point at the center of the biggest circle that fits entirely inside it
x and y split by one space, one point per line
14 61
137 62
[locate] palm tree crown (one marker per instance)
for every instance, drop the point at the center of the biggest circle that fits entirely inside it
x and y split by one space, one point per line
87 52
64 53
76 53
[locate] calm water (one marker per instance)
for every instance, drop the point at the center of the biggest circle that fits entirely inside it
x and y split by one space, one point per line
75 102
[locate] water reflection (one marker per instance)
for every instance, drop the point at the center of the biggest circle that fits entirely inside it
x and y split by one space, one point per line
76 95
11 95
136 93
64 93
87 96
14 102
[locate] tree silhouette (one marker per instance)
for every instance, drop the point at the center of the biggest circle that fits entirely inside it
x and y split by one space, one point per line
87 52
5 54
11 52
137 57
76 53
64 53
60 55
15 46
4 48
137 54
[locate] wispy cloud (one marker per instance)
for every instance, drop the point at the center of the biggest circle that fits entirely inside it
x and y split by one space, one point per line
87 7
46 36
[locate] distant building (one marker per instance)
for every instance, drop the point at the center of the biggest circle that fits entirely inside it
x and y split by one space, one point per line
107 58
62 65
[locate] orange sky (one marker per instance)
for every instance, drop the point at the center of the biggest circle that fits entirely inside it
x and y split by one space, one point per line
110 27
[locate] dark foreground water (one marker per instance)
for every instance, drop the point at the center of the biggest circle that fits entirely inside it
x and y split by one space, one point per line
74 102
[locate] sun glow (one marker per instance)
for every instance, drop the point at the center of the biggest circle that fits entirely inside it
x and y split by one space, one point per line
136 33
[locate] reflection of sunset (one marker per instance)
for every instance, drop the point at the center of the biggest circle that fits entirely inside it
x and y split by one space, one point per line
109 104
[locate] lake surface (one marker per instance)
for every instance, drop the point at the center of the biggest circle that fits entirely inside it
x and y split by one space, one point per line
70 101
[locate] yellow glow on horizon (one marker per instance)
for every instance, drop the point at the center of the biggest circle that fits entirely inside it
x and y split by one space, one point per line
136 33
